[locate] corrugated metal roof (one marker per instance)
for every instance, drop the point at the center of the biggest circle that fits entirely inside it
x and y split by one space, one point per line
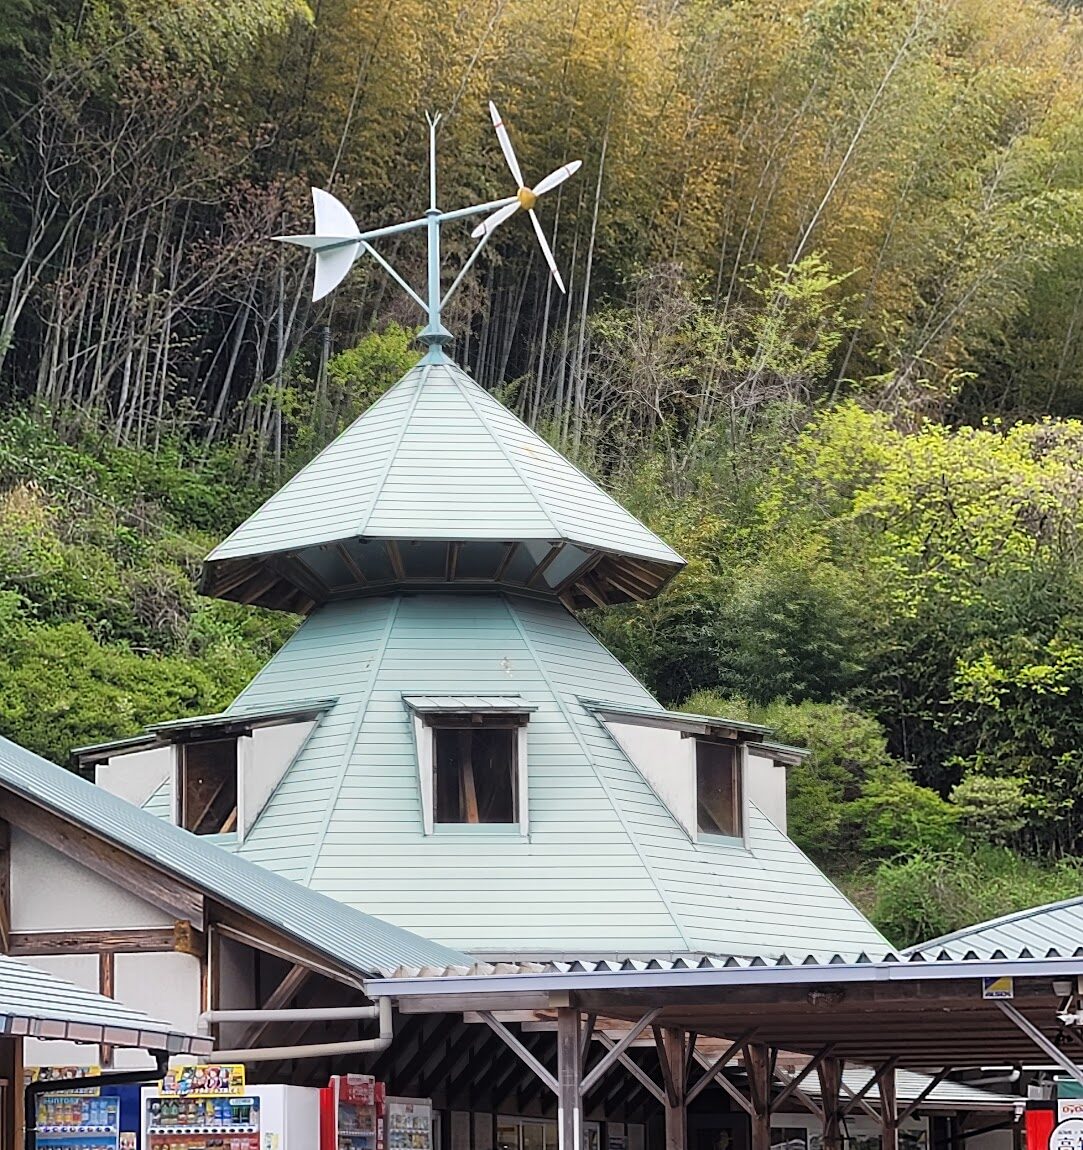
438 460
1054 926
606 867
307 709
457 704
438 457
945 1095
348 936
33 1002
676 719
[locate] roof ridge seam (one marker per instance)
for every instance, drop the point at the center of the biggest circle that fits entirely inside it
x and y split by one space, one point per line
465 393
576 468
574 724
393 450
351 742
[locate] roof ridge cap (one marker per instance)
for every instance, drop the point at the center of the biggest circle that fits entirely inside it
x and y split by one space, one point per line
499 444
568 463
392 451
573 723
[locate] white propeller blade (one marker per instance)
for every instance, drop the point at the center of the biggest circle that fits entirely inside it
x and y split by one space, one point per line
547 251
492 222
335 227
555 179
505 145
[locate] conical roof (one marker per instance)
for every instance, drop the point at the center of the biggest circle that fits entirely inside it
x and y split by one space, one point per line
439 483
606 868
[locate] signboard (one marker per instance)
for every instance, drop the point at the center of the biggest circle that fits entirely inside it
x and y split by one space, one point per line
203 1082
998 987
1067 1135
1069 1108
60 1074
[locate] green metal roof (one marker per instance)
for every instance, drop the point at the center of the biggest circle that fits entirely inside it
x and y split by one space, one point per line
606 867
459 704
430 485
348 936
36 1003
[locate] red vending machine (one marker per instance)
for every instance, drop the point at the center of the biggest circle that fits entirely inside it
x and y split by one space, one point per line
351 1113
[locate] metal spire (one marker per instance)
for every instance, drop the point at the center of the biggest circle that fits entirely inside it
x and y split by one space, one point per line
338 241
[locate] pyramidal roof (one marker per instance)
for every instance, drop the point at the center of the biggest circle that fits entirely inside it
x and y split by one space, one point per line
439 483
605 867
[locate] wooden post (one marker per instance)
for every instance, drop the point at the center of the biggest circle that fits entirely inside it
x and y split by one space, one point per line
889 1111
569 1079
758 1063
830 1072
674 1074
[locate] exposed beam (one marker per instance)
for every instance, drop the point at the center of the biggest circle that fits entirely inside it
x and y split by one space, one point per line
282 995
933 1083
759 1064
351 563
110 862
395 558
715 1074
795 1082
857 1097
804 1098
1040 1040
889 1111
714 1067
830 1074
635 1070
515 1045
613 1056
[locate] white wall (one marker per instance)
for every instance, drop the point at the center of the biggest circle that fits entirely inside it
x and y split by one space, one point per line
765 783
667 761
166 986
51 892
262 761
82 969
136 775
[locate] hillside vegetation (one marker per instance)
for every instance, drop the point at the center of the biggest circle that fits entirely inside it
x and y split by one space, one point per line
824 332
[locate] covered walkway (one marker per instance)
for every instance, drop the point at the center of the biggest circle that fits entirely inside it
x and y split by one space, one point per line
787 1024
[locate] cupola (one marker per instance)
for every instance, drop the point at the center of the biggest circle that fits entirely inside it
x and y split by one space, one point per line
438 485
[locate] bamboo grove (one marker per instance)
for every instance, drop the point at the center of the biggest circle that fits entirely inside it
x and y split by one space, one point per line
927 153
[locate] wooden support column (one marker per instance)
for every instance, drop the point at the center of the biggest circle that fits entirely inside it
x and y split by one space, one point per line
830 1072
760 1066
672 1055
569 1078
889 1111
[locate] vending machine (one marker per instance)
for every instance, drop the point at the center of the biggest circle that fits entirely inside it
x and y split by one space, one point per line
407 1124
68 1119
351 1113
185 1115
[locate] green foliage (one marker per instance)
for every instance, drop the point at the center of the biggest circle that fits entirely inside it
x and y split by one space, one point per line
920 897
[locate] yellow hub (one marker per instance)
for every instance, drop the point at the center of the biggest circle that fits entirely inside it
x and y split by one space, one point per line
526 198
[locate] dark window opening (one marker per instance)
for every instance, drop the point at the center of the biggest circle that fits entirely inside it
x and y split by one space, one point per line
718 789
208 786
475 774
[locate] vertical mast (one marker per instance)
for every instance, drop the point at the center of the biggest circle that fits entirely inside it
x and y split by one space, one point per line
435 334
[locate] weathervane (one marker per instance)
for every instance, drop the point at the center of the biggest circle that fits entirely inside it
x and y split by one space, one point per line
338 240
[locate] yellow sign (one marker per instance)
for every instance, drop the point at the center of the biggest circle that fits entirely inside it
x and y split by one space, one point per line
203 1082
998 987
61 1074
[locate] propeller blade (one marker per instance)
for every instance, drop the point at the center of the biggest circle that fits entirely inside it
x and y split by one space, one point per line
555 179
332 267
547 251
332 216
505 145
493 221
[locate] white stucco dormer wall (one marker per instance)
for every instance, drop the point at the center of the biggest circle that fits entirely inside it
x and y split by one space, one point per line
262 760
135 776
765 784
667 760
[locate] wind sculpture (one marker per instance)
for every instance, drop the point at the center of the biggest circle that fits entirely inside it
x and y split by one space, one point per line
338 241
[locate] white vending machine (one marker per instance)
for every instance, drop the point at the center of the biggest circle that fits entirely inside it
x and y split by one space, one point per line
407 1124
262 1118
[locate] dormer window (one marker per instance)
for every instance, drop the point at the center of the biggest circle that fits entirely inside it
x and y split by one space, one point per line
207 786
471 758
719 799
475 771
